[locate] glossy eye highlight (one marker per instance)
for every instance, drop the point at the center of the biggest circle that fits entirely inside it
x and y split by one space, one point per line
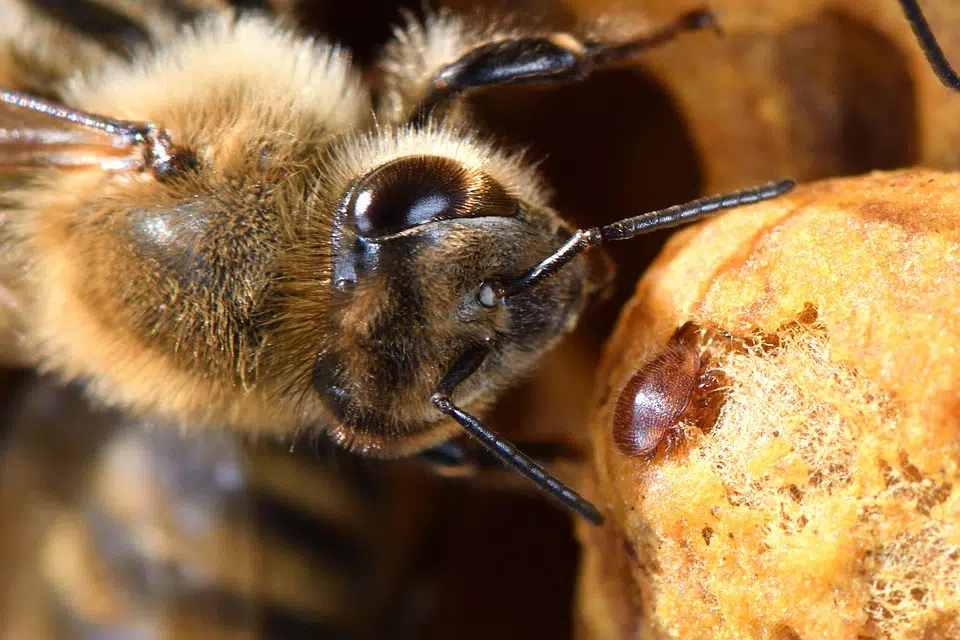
415 190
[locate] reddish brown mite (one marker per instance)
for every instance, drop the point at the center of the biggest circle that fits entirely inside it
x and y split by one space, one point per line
672 385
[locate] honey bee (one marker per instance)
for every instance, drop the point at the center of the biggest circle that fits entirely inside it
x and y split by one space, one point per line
222 227
125 529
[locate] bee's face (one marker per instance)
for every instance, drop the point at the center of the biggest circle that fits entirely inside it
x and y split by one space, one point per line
415 245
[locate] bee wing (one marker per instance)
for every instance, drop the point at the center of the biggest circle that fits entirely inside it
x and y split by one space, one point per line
38 133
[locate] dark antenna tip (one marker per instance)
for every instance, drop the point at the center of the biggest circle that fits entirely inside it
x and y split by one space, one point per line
503 450
929 45
628 228
512 457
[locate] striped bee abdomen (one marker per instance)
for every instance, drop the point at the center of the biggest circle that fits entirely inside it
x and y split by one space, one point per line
161 534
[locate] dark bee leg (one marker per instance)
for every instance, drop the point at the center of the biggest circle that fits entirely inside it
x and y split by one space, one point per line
449 459
508 454
928 43
554 58
458 459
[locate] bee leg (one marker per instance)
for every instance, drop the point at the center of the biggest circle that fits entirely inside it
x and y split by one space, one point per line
503 450
553 58
450 459
456 459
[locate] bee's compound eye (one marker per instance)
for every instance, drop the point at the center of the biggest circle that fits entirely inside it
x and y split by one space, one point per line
654 399
487 295
344 285
415 190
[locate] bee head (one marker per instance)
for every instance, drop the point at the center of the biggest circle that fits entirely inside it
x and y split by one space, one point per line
419 247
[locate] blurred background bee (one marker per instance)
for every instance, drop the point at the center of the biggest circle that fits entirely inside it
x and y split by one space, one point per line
123 529
130 530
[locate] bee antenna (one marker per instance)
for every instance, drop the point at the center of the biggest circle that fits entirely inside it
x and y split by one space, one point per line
128 131
502 449
586 239
928 44
160 155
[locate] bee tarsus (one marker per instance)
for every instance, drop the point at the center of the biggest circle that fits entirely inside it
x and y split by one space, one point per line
554 58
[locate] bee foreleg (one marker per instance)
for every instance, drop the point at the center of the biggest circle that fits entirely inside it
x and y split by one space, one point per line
503 450
553 58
